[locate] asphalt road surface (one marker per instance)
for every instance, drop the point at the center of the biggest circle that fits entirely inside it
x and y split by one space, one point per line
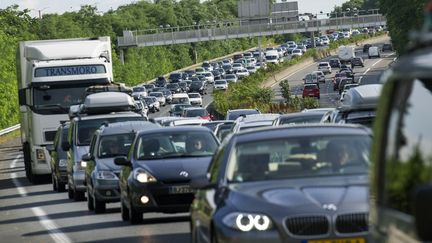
34 213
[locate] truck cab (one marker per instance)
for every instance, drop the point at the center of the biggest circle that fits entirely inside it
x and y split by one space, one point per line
52 76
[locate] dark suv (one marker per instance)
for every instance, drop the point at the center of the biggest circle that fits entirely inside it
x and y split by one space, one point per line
402 156
357 61
59 158
160 82
198 87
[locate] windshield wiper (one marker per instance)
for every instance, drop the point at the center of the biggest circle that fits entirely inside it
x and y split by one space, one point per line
63 108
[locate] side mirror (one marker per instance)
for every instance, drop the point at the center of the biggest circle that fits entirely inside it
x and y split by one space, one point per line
202 182
22 108
87 157
50 147
65 146
423 220
122 160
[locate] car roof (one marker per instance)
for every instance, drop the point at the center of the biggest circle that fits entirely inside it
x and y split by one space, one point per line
110 115
126 127
175 129
362 96
300 130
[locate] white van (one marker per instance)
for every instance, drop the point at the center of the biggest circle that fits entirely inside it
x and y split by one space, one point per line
182 98
374 52
272 56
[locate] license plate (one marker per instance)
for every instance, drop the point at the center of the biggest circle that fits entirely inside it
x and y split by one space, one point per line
345 240
180 190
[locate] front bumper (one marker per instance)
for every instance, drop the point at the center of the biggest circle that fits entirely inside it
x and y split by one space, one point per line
160 197
107 190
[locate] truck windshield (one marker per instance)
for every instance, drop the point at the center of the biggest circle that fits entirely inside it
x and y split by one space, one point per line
57 98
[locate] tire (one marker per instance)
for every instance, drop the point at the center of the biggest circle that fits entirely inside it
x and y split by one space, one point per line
99 206
124 211
90 204
54 182
78 196
70 192
61 187
135 217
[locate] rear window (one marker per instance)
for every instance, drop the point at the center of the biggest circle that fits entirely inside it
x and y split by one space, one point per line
323 64
197 112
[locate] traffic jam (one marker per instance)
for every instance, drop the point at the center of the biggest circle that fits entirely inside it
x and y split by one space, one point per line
243 176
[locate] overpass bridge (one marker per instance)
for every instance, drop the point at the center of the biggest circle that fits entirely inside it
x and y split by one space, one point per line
232 30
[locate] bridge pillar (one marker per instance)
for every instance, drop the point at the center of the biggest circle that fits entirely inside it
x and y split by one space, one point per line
122 56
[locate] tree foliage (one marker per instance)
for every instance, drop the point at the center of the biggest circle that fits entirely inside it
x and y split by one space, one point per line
403 16
141 64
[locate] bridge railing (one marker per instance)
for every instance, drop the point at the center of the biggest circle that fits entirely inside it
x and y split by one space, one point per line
238 29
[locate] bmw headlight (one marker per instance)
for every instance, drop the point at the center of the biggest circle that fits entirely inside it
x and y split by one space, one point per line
246 222
62 163
106 175
143 176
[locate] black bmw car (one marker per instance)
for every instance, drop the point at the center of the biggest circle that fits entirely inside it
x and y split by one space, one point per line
157 172
303 183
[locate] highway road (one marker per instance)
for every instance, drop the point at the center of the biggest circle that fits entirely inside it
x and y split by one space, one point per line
34 213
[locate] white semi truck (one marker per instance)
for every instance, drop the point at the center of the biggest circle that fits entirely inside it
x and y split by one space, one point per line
52 76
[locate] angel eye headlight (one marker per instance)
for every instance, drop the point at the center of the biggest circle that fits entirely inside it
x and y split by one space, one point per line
246 222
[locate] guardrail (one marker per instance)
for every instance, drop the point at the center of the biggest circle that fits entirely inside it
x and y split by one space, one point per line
241 30
9 129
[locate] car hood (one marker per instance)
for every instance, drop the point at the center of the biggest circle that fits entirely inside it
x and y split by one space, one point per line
303 195
107 164
172 170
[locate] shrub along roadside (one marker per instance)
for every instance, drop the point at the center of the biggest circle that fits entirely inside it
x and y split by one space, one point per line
249 93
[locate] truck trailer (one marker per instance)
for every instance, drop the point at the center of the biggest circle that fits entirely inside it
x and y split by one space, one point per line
53 75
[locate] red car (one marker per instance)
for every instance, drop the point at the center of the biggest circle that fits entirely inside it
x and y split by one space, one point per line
197 112
311 90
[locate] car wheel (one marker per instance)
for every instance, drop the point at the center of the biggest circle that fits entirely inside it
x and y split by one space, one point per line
213 237
70 192
78 196
124 211
54 182
61 187
99 206
135 217
90 204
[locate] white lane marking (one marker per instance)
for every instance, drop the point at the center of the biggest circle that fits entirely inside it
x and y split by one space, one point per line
21 190
48 224
377 62
367 70
294 73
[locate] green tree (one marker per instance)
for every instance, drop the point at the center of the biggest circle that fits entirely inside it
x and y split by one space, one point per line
402 16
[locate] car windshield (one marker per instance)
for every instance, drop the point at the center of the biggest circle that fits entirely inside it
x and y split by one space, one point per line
220 82
138 89
311 156
156 94
115 145
301 120
172 86
196 112
178 108
175 145
86 128
192 95
196 84
230 76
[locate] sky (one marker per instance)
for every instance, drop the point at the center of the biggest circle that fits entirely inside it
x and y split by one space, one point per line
61 6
